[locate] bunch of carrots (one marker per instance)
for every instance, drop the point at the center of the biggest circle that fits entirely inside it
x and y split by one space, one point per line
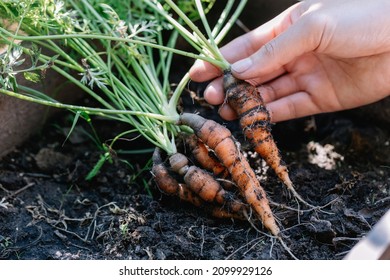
223 167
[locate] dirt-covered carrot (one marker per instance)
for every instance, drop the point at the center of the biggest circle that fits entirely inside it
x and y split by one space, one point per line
219 139
169 185
204 184
207 160
255 123
200 182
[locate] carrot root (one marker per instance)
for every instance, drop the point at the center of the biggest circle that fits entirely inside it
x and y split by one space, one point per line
219 139
256 125
200 192
255 122
207 160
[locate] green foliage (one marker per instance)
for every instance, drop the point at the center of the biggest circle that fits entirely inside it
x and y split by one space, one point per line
189 7
126 73
5 242
116 51
99 164
32 77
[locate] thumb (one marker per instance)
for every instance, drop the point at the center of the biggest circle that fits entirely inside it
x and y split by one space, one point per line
299 38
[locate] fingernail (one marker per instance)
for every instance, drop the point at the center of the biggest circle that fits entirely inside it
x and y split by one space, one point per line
242 65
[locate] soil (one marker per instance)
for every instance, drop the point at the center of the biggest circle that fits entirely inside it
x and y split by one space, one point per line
49 211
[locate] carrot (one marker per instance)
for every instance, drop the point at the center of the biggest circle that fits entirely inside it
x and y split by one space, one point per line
200 182
255 123
208 161
204 184
171 186
219 139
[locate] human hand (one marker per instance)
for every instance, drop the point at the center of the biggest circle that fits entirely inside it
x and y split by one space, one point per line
317 56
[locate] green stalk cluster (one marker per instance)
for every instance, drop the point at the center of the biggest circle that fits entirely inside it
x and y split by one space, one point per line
114 51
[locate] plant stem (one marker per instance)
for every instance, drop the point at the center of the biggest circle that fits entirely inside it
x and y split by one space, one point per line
108 38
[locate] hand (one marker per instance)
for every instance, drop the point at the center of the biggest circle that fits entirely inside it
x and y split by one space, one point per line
317 56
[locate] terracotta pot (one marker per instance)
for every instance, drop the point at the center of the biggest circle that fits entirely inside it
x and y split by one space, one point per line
20 119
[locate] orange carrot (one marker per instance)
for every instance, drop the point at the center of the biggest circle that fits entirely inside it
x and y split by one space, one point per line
200 182
219 139
255 123
231 208
204 184
170 185
208 161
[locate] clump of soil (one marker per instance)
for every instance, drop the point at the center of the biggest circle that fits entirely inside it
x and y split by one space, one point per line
49 211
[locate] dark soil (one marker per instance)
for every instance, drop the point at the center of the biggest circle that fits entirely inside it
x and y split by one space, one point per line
49 211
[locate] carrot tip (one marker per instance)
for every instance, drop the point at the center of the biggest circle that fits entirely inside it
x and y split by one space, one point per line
286 180
289 184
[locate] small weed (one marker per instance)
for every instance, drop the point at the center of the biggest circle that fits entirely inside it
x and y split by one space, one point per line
5 242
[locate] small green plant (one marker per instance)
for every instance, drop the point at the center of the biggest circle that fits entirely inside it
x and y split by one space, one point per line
5 242
124 228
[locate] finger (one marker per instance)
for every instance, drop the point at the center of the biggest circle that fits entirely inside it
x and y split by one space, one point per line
292 106
302 35
240 48
279 88
270 92
203 71
227 113
247 44
214 93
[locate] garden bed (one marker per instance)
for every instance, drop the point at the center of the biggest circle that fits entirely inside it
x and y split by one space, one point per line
49 211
